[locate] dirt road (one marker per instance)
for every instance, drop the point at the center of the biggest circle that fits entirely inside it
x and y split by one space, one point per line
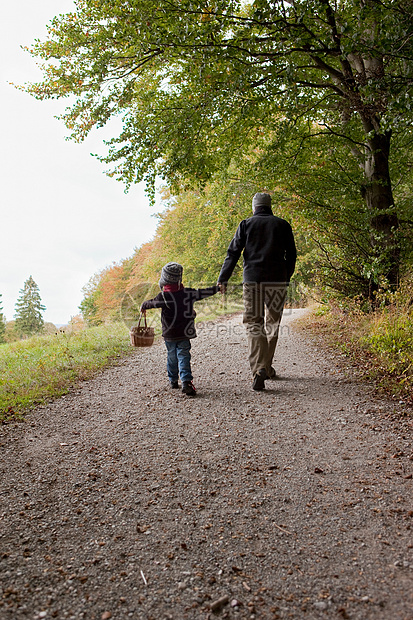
126 499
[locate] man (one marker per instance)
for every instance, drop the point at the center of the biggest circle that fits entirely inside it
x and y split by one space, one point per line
268 247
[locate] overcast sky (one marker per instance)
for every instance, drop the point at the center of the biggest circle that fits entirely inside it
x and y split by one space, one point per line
62 218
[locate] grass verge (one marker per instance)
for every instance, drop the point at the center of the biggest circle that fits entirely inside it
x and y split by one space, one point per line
380 344
34 370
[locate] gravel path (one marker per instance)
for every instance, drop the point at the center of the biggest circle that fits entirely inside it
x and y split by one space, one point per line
125 499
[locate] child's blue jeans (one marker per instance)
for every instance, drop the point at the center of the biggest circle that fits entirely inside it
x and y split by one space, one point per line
178 361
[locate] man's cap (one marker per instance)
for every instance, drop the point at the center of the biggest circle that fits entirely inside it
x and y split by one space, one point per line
261 200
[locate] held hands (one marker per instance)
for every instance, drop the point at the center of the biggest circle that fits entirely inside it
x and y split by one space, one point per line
222 287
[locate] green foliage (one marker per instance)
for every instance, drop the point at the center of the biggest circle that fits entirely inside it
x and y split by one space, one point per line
321 189
29 310
306 95
197 82
41 367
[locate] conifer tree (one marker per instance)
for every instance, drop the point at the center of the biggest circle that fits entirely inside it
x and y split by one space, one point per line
29 310
2 322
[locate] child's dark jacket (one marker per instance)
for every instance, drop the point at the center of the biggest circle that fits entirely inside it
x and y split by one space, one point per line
178 312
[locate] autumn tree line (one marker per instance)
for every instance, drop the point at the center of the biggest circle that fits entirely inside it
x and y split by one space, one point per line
195 228
310 100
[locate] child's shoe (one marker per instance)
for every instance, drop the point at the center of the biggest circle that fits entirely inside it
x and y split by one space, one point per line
188 388
174 385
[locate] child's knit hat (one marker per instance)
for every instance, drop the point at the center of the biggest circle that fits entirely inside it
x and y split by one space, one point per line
171 274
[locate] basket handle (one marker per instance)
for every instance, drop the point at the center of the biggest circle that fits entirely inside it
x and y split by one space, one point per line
142 314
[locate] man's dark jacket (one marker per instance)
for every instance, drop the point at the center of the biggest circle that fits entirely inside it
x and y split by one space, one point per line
268 247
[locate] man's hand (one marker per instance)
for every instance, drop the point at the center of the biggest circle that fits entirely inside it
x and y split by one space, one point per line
222 287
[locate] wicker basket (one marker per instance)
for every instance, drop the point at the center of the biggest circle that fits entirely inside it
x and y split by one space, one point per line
142 335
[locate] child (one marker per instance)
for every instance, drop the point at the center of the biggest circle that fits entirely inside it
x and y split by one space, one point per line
178 326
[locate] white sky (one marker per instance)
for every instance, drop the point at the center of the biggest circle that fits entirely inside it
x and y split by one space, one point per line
62 219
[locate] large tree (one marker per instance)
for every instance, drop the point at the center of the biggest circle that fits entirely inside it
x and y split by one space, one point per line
29 309
200 83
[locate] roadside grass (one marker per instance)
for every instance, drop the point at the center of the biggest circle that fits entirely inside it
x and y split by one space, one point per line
42 367
380 344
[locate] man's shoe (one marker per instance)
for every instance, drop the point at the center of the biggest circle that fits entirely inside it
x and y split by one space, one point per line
174 385
259 380
271 374
188 388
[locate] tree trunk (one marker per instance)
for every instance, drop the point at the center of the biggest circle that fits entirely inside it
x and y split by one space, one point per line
379 200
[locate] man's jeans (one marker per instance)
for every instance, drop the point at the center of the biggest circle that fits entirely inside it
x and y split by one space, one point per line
178 361
263 308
